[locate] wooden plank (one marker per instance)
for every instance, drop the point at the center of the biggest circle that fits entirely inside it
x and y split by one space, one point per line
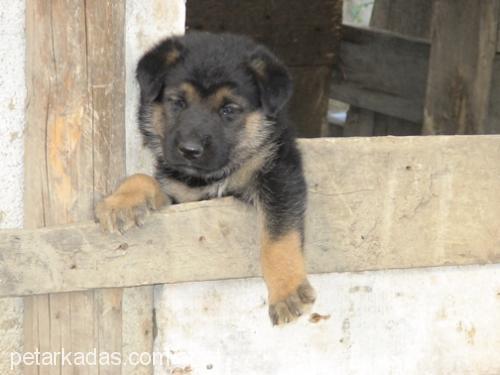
74 155
309 103
493 123
59 330
138 328
407 17
411 18
84 328
300 33
109 326
498 34
375 203
364 96
382 71
386 72
460 67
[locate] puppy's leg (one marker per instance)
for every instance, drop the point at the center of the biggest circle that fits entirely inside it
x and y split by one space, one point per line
284 273
127 206
282 203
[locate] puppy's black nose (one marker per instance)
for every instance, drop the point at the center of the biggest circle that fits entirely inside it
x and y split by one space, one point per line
190 149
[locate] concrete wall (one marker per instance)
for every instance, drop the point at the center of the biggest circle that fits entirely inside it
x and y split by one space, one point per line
12 103
146 23
428 321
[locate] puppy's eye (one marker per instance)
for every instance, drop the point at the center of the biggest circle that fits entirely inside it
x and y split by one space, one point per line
177 103
229 110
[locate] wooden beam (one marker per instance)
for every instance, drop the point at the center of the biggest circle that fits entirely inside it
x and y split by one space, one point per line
309 103
75 154
375 203
410 18
386 72
382 71
463 49
493 124
498 33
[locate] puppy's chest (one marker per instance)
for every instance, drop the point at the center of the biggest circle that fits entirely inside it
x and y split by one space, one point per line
181 193
242 183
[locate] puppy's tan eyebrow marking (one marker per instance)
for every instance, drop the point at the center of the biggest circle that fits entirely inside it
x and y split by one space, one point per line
186 90
172 56
223 95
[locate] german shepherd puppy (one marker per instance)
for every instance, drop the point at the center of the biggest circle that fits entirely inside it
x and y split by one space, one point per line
212 110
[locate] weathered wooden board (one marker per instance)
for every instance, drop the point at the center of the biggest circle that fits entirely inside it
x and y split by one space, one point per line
386 72
492 126
75 154
309 102
411 18
299 34
375 203
382 71
463 49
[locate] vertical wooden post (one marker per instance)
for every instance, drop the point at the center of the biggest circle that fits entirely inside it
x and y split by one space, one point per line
464 37
75 142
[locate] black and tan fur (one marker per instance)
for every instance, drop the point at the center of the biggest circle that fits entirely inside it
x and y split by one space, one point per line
213 112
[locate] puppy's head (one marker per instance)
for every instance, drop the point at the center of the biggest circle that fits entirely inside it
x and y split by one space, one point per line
208 101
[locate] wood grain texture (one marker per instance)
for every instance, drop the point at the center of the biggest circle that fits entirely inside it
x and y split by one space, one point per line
138 328
463 49
493 124
382 71
300 33
75 154
407 17
386 73
498 33
375 203
411 18
309 102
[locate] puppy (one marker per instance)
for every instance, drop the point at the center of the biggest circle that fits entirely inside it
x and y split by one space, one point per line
212 111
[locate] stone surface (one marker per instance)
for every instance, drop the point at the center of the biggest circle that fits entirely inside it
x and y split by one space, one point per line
12 104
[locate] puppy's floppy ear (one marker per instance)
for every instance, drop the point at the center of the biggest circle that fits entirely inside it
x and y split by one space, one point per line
153 67
273 79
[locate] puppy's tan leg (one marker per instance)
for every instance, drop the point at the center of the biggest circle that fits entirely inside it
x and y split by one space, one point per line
127 206
290 293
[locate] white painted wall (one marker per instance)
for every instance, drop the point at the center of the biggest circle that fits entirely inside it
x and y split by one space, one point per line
413 322
12 103
147 22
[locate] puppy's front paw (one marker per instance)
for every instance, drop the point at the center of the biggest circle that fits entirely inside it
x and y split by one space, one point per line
294 305
128 206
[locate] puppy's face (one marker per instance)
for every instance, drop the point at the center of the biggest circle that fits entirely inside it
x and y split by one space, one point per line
208 101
